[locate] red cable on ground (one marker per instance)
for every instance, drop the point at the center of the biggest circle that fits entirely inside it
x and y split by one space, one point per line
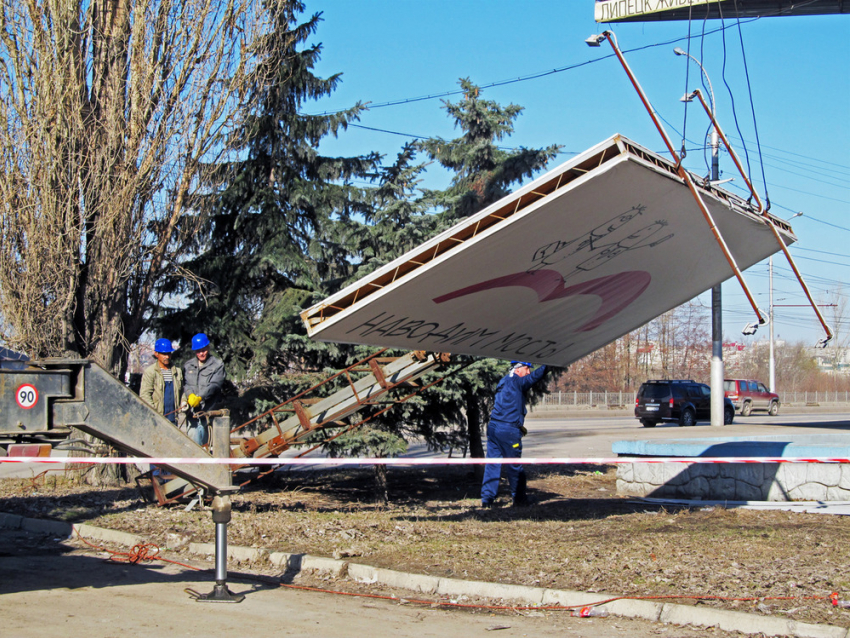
137 554
832 597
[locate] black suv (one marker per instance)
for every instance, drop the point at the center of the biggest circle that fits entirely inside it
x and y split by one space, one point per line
682 402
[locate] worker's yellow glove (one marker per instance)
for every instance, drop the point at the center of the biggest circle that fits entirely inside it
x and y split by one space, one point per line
194 400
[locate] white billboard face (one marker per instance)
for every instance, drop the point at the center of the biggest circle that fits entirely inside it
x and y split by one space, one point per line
560 278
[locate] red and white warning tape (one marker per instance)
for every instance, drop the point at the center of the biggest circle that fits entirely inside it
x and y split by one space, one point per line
691 460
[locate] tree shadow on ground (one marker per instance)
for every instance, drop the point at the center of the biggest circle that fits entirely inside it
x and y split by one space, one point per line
44 502
447 493
39 562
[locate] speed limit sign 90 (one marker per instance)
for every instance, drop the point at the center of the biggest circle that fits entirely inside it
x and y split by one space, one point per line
26 396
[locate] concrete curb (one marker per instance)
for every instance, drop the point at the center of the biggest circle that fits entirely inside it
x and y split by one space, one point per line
10 521
108 535
668 613
67 530
296 563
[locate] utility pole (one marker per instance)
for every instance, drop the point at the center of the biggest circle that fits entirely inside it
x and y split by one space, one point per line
717 369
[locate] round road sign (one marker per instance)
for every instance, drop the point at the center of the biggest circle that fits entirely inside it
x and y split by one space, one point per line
26 395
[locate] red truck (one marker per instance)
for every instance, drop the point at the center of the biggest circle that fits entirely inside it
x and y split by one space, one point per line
748 395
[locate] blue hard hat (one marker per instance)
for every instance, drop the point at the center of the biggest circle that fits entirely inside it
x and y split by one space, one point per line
522 363
200 341
163 346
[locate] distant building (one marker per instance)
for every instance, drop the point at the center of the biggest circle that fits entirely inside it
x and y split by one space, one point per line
831 359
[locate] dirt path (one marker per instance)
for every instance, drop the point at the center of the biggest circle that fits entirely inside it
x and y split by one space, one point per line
50 588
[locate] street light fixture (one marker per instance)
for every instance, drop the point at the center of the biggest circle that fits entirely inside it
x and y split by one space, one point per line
680 51
595 40
715 139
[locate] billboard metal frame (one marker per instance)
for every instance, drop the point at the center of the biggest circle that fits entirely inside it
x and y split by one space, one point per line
666 10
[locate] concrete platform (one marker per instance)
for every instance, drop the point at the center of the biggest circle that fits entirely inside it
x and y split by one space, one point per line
812 445
738 482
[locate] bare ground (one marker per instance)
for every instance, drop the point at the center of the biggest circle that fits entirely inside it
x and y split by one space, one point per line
580 535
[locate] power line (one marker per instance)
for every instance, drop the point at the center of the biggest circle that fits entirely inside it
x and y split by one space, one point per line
820 221
814 179
808 167
774 148
796 190
538 75
820 252
530 76
823 261
426 137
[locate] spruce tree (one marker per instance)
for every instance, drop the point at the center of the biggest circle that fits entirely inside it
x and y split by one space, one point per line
276 219
483 173
398 220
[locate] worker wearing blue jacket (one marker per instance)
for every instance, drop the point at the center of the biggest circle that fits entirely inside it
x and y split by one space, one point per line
505 431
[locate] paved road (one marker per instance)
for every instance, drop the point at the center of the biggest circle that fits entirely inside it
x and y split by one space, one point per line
593 436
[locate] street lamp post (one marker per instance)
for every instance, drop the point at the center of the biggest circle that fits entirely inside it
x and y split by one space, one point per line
770 315
717 369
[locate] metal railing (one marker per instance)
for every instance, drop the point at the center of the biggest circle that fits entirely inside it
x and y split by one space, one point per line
606 399
601 399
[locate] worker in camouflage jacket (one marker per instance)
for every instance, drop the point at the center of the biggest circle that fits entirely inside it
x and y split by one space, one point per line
162 382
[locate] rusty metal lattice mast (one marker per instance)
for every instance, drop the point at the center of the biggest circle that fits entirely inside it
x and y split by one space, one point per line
294 421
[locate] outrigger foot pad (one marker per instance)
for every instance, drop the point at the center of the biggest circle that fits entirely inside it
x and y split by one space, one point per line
219 594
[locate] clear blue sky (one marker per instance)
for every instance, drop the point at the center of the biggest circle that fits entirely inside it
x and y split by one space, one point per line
796 82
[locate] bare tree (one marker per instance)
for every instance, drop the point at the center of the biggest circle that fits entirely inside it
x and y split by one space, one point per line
795 368
692 323
111 113
674 345
680 339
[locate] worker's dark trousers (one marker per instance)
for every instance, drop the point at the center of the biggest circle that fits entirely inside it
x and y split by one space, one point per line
503 441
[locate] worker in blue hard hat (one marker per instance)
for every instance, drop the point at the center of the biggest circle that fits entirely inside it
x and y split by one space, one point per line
505 431
204 375
162 383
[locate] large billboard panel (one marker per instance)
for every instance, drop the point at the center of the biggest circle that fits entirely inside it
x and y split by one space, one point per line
586 253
